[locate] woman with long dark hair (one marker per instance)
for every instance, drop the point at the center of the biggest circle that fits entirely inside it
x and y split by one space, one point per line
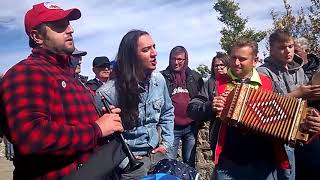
144 100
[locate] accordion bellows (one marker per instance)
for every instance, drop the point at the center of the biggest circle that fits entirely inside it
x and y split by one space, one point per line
266 113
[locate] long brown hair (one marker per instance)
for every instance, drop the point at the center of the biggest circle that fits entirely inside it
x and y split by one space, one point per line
128 73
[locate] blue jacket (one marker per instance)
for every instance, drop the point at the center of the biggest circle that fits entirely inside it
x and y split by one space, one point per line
155 110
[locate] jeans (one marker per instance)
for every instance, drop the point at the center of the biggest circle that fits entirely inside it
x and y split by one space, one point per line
288 173
188 135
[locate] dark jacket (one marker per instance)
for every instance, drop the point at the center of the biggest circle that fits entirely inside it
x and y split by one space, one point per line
199 107
194 81
94 84
81 78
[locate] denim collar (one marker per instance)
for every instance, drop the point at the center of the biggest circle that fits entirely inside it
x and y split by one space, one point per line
145 85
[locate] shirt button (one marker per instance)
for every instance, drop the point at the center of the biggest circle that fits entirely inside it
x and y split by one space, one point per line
79 166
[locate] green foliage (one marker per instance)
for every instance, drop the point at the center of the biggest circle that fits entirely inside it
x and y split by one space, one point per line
203 70
305 23
235 25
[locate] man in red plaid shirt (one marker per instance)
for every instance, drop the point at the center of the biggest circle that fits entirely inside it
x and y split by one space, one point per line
50 117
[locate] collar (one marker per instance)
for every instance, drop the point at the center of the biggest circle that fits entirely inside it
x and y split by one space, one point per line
293 66
62 60
255 78
99 81
152 80
144 84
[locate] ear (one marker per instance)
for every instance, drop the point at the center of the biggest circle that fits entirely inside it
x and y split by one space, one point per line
36 37
255 60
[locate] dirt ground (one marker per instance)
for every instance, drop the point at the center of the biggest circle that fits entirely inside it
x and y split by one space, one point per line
6 168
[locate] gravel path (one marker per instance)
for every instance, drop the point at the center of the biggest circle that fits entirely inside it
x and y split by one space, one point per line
6 167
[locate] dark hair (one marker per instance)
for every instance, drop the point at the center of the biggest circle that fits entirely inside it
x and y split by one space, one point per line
279 36
222 57
42 30
129 72
246 43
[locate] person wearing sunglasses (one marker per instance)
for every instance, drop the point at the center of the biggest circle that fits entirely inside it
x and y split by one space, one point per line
102 70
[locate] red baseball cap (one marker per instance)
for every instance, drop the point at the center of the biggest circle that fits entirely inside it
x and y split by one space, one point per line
47 12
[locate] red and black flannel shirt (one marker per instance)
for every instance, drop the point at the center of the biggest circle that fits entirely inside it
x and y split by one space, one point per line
50 117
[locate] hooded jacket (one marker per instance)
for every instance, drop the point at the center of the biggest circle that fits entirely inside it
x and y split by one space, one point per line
284 81
193 80
182 84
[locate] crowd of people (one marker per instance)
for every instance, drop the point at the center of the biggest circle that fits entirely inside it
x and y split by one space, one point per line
55 120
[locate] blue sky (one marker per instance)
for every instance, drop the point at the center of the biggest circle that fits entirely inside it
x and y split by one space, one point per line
190 23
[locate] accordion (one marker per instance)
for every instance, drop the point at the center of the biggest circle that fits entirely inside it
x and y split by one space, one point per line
266 113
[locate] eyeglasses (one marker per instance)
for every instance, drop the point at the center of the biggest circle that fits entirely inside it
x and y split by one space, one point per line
219 65
179 59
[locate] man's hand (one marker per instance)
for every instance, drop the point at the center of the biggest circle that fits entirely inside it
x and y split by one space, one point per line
160 149
218 103
110 123
310 92
138 157
312 122
112 108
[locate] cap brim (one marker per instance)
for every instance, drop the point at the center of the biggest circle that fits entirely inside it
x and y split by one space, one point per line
79 53
70 14
82 53
73 14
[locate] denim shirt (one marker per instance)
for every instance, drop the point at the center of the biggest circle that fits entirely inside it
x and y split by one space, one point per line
155 111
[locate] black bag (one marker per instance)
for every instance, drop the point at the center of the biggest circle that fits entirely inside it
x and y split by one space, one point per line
102 164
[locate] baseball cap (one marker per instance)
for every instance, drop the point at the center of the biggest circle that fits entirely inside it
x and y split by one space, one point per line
101 61
47 12
79 53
